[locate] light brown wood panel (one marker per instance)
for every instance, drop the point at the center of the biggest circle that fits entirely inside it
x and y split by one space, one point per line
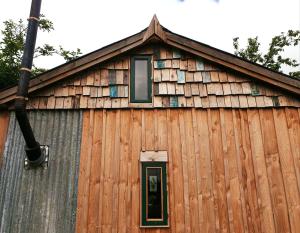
4 120
228 170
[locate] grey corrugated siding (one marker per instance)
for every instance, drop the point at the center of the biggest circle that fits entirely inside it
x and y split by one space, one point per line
40 200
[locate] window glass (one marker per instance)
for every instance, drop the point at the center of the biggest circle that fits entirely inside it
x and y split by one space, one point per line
154 193
141 79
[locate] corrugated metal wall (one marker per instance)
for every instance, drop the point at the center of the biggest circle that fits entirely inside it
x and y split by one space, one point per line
41 200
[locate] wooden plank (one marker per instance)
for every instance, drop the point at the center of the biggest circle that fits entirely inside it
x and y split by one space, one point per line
124 157
119 77
235 103
116 173
232 182
165 74
273 170
248 187
173 75
51 102
78 90
293 124
190 102
191 64
59 103
206 77
83 102
243 101
195 89
236 88
97 78
157 75
71 91
90 79
212 101
4 121
205 102
104 81
86 90
170 179
68 103
99 103
179 89
116 103
221 101
251 101
223 77
186 191
181 76
175 63
183 64
84 172
135 174
189 77
94 185
94 92
191 170
214 76
214 89
171 88
205 191
227 100
287 168
246 88
163 89
218 171
187 90
199 64
168 63
202 90
197 77
157 101
179 210
260 168
197 101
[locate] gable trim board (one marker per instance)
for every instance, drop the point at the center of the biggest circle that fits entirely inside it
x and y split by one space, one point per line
157 32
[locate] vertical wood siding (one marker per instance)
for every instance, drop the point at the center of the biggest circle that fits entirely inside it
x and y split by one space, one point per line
4 120
228 170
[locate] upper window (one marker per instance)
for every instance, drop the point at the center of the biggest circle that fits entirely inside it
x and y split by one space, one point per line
140 76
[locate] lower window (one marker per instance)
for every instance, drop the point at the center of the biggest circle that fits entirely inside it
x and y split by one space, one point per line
154 194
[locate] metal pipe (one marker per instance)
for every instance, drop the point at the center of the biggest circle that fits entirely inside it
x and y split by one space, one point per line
32 149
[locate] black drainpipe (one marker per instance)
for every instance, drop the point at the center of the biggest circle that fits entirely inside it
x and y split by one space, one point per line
35 157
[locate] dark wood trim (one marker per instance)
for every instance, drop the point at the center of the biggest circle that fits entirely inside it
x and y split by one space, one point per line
159 223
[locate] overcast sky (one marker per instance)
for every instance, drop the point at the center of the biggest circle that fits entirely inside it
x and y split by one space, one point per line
92 24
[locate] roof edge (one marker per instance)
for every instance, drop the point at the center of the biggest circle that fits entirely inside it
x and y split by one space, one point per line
212 54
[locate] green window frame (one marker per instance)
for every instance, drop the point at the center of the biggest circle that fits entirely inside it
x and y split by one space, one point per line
133 98
163 220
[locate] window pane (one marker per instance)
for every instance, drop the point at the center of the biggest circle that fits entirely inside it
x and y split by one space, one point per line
154 193
141 80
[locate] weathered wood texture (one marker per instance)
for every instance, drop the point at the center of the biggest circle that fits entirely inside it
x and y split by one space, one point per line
179 80
4 120
229 170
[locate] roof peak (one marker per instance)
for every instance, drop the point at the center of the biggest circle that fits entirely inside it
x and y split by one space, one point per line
154 29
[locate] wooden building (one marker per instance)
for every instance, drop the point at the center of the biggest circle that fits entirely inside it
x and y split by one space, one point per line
155 133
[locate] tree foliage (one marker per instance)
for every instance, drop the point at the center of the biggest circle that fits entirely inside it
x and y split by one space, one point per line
12 46
273 58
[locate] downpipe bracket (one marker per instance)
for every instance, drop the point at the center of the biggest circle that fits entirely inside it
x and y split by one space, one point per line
42 162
